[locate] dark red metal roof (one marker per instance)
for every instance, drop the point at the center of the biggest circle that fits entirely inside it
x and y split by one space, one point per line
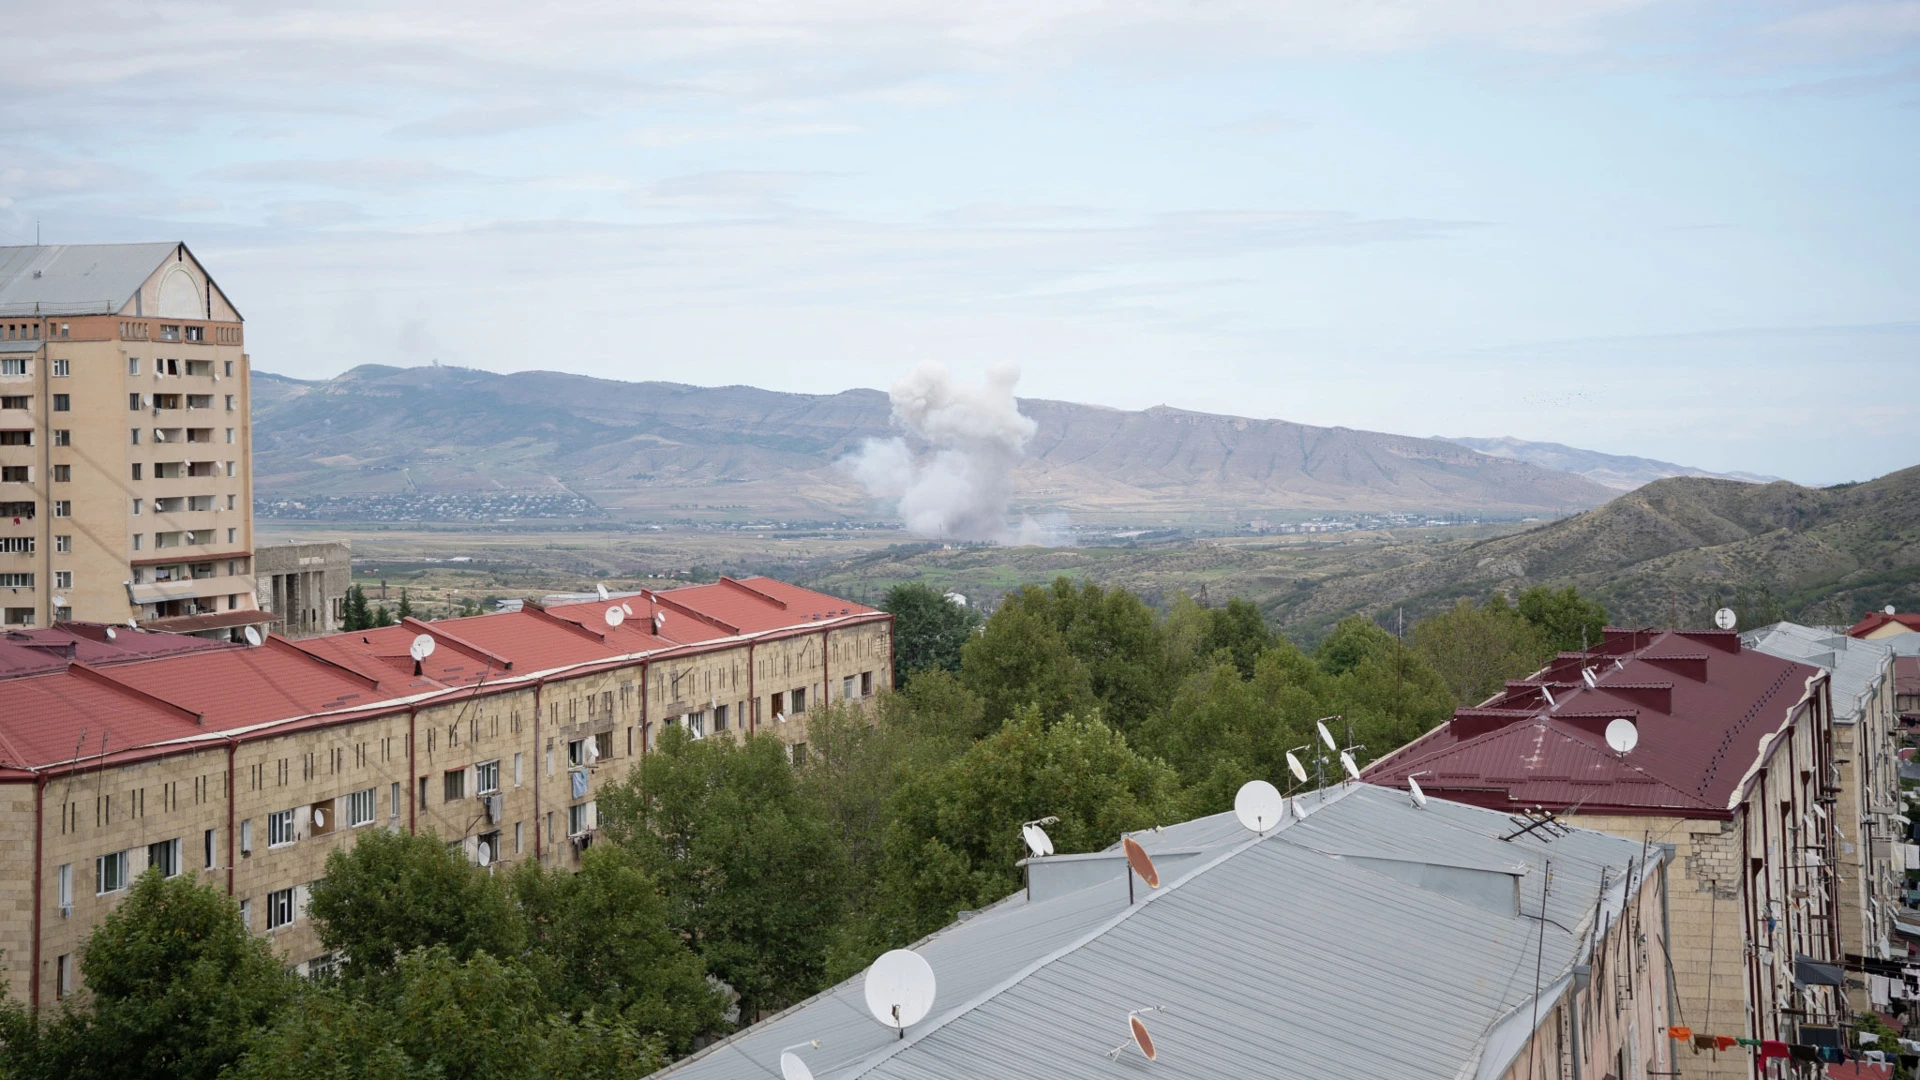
1906 674
158 693
1701 704
1878 619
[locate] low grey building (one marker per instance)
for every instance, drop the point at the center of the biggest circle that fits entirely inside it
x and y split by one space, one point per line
1373 938
305 585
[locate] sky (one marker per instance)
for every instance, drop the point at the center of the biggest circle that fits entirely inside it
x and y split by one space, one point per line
1682 229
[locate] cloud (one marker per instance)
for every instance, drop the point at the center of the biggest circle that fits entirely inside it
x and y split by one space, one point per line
488 120
729 193
317 214
383 174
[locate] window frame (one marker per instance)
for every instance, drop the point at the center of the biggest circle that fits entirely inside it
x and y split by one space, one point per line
280 907
280 823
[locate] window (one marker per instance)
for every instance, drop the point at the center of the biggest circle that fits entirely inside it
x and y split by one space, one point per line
774 708
16 545
233 535
63 544
866 684
487 851
133 365
800 700
246 914
486 778
229 396
166 856
393 800
454 785
229 364
15 474
63 474
13 366
62 403
16 401
18 616
576 753
137 538
16 581
229 434
62 508
136 507
517 846
518 761
63 888
846 688
580 819
62 437
279 908
696 724
246 836
16 438
797 753
229 468
195 333
63 975
207 842
63 579
719 718
60 369
360 808
110 873
423 791
280 829
603 742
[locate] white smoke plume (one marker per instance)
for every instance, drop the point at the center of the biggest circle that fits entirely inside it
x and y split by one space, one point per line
975 435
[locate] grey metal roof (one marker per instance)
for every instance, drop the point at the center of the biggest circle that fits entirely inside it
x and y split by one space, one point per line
1858 666
75 279
1338 946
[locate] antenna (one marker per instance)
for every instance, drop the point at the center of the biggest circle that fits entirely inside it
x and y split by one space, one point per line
1413 789
420 648
1327 736
112 633
616 615
626 607
900 989
1548 694
1298 770
600 589
319 818
1259 806
485 854
252 634
791 1067
1038 842
1347 763
1623 735
1137 1031
659 620
1140 862
1725 619
1586 676
1888 609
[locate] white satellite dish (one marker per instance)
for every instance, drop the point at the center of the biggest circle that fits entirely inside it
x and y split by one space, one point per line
1623 736
1548 694
59 601
1413 789
485 855
593 750
1326 736
1725 619
900 989
252 634
112 633
1038 842
421 646
1258 805
1346 762
601 591
1586 676
626 607
319 818
1298 770
616 615
791 1067
659 620
1888 609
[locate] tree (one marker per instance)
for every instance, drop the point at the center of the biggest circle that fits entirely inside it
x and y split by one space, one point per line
178 988
599 940
1020 658
392 893
356 616
747 863
406 606
1476 649
1569 620
928 630
382 617
954 833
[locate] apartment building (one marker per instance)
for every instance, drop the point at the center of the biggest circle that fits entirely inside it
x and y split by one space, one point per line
126 489
248 765
1733 769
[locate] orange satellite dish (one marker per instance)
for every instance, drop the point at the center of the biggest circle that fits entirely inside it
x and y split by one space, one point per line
1140 1037
1142 865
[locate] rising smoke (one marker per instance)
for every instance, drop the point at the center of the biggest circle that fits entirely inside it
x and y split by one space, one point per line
959 488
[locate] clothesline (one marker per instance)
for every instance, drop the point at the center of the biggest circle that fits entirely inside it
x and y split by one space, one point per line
1769 1049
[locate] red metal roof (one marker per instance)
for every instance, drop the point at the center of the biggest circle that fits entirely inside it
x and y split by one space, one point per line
1906 675
1878 619
1701 704
185 686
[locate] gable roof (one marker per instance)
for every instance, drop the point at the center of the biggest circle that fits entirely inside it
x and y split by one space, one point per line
76 279
1704 706
1261 950
1876 620
1859 667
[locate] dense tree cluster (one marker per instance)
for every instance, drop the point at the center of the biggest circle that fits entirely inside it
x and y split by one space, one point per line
731 879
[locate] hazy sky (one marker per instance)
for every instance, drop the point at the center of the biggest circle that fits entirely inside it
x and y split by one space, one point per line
1688 230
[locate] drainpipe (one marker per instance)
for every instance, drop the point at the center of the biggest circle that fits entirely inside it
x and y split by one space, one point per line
646 725
753 697
826 673
233 796
413 782
539 770
39 817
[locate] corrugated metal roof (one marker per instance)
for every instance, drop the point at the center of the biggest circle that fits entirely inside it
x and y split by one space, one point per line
1858 666
1701 702
1277 956
47 649
75 279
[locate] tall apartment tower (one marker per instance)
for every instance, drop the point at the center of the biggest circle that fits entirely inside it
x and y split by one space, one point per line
126 488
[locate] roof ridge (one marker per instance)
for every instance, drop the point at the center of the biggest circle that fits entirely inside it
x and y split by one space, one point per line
1544 724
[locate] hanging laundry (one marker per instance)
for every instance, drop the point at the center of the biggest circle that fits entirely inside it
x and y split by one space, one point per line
1702 1042
1773 1048
1679 1033
1868 1038
1803 1052
1723 1042
1748 1042
1833 1055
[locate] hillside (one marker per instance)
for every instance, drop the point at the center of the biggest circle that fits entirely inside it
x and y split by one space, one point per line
665 449
1622 472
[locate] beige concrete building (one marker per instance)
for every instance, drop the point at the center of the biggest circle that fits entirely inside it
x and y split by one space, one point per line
304 585
126 488
247 766
1729 761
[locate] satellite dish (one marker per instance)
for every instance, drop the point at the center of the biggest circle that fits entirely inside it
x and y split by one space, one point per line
626 607
1346 762
900 989
1140 1037
1259 806
112 633
421 646
59 601
616 615
601 591
1326 736
1888 609
1623 736
252 634
1038 842
1725 619
1586 676
486 855
1298 770
792 1068
1419 797
319 818
1141 862
1548 694
593 750
659 620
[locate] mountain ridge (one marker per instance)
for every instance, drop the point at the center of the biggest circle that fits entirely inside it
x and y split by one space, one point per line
1622 472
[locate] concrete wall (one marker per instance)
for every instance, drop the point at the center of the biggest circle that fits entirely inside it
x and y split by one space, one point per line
304 584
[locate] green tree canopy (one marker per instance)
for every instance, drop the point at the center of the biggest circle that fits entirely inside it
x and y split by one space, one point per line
1569 620
1476 649
406 606
1021 658
928 630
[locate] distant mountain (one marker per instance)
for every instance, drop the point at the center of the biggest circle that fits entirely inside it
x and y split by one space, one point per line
658 449
1618 471
1677 548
